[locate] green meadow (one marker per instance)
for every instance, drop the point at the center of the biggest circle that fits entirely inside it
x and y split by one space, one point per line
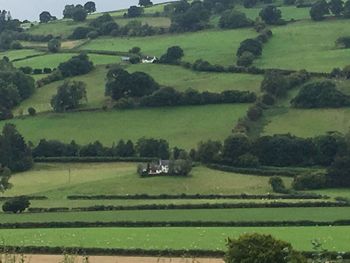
187 215
213 238
167 123
288 12
306 45
218 47
20 54
60 180
53 60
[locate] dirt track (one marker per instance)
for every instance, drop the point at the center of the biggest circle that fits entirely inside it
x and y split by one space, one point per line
117 259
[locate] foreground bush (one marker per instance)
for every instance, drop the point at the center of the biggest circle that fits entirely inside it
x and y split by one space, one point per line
258 248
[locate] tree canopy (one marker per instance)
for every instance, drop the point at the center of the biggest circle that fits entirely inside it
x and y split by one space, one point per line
69 96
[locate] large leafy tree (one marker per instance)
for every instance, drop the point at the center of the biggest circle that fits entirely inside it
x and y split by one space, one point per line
336 7
14 152
77 65
90 7
45 17
338 173
145 3
319 10
69 96
271 15
234 19
250 45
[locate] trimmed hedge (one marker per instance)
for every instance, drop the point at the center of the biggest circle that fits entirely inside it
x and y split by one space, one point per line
91 159
38 197
256 171
189 206
194 196
128 224
136 252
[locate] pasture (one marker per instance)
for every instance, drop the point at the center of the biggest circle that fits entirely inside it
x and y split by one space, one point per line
217 47
306 45
53 60
183 79
307 122
213 238
19 54
187 215
60 180
170 123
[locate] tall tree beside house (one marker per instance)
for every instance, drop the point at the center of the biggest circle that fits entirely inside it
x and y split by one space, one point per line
14 152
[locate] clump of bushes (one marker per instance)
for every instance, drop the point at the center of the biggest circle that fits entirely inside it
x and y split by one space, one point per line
277 185
16 205
320 95
309 182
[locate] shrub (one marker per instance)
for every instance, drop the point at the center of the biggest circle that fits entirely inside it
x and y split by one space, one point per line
246 59
47 70
54 45
277 185
248 160
125 103
93 34
320 95
234 19
31 111
81 32
254 113
37 71
16 205
309 182
16 45
77 65
261 248
250 45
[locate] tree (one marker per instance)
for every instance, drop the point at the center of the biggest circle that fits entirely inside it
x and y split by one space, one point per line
81 32
90 7
209 152
261 248
69 96
234 19
135 11
339 172
68 11
234 147
145 3
54 45
271 15
319 10
77 65
346 11
79 14
16 205
5 175
250 45
274 83
336 7
277 185
246 59
31 111
323 94
45 17
14 152
173 55
249 3
153 148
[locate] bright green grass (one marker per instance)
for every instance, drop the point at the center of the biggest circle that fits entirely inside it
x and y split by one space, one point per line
215 46
338 192
53 180
333 238
53 60
310 122
306 45
62 28
181 126
194 215
18 54
95 82
288 12
183 79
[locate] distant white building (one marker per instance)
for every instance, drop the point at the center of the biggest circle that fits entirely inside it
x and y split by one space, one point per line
162 167
149 60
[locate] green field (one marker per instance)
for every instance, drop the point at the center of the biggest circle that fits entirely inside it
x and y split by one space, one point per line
53 60
121 179
183 79
307 123
172 124
215 46
19 54
306 45
196 215
333 238
288 12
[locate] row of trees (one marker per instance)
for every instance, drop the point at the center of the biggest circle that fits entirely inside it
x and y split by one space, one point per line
15 87
321 8
144 147
78 12
276 150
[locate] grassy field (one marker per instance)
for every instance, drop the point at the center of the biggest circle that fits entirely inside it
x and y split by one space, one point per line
196 215
307 123
53 60
306 45
288 12
215 46
18 54
333 238
152 21
95 82
206 122
54 181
